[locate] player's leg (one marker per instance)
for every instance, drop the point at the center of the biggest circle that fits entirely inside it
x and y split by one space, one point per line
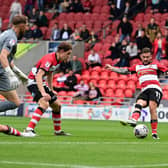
142 101
56 116
43 104
9 130
13 100
155 98
154 118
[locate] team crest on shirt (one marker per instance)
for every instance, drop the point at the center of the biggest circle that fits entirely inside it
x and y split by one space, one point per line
12 42
47 64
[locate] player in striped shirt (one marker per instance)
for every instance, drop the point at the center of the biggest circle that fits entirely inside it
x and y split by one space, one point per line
151 92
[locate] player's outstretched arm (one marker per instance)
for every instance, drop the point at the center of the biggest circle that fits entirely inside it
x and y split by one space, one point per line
23 77
116 69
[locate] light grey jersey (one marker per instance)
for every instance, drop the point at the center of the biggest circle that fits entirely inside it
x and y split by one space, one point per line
8 41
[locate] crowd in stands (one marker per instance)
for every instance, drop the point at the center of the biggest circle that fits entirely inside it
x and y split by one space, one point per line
127 33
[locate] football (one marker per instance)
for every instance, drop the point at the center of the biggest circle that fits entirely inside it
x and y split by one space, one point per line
141 131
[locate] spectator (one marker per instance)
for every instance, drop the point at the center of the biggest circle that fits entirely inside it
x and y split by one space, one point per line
93 38
75 36
64 6
66 32
56 32
132 50
126 28
87 5
123 58
37 33
33 16
76 65
28 6
84 34
93 60
58 83
143 41
140 6
155 6
15 9
127 10
81 89
40 4
138 31
115 48
93 94
113 11
164 6
159 47
42 20
152 30
120 5
28 35
65 66
77 6
71 81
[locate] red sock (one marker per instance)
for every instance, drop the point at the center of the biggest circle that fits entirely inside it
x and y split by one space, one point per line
154 124
136 115
35 118
12 131
56 121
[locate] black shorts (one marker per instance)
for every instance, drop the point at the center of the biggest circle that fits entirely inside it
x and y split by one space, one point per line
151 94
33 89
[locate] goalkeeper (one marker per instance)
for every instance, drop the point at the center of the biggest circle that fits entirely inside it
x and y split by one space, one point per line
10 75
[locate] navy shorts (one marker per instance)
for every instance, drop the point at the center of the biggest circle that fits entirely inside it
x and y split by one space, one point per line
33 89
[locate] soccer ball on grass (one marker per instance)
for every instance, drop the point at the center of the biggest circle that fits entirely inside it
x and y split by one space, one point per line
141 131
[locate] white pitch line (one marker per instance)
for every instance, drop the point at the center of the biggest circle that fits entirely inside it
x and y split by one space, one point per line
80 143
80 166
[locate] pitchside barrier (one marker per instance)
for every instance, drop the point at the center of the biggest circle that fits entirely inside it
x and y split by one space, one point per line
99 111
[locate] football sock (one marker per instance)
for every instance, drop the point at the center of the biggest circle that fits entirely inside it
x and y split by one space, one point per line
35 118
12 131
7 105
56 121
154 124
136 115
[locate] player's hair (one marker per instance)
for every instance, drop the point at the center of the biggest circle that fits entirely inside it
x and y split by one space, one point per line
19 19
146 50
64 46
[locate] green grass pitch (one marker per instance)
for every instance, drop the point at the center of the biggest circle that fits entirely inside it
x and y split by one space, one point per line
93 144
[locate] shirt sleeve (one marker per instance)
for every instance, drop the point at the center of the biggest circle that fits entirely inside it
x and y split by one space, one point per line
162 68
9 44
132 69
45 64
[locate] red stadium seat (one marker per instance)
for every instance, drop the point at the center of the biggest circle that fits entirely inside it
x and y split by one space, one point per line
121 84
96 9
102 83
104 74
111 83
119 93
62 93
113 75
109 92
128 93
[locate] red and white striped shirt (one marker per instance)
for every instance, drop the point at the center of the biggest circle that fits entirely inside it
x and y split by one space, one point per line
148 74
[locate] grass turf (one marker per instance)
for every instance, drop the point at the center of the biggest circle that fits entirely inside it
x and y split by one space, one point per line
93 144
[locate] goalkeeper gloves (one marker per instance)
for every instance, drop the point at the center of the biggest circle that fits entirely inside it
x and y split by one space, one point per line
14 82
23 77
